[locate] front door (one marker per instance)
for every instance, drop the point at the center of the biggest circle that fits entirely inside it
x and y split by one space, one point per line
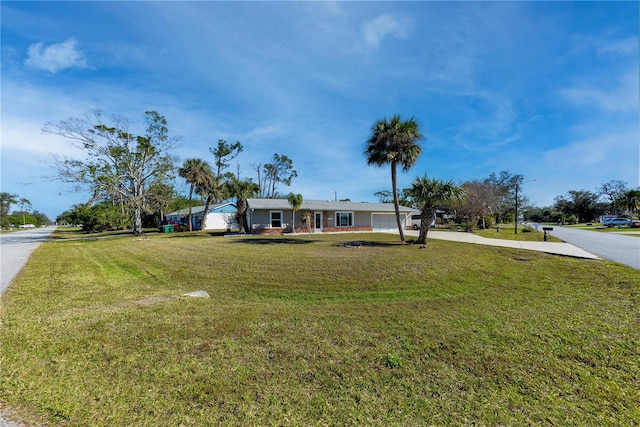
317 221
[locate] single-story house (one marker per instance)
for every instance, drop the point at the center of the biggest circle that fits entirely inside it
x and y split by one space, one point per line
221 216
275 216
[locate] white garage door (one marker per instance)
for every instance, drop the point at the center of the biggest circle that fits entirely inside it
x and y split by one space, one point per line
220 221
384 222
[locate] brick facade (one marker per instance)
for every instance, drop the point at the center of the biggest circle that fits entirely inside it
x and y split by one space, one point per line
309 230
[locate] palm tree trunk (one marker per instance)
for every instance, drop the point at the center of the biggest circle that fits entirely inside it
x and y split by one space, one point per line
426 218
396 204
293 221
190 214
206 210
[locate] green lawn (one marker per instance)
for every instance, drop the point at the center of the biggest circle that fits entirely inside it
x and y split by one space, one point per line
302 331
525 234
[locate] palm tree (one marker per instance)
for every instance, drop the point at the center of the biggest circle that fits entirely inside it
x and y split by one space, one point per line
194 172
242 190
630 201
209 189
295 200
427 194
394 142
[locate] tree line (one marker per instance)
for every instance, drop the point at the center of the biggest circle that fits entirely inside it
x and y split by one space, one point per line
24 214
131 177
480 202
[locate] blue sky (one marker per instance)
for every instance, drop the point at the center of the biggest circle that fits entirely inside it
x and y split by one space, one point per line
548 90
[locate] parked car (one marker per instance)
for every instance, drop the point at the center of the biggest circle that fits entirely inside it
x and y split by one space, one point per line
635 224
626 222
27 226
416 220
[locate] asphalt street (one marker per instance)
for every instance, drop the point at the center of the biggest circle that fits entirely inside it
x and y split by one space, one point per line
15 249
617 247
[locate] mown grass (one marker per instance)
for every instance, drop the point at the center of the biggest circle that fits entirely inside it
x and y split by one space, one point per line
301 331
68 232
507 232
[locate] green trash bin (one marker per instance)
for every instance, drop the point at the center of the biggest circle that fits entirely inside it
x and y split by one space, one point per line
168 228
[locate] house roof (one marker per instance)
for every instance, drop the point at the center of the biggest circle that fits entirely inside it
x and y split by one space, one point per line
199 209
325 205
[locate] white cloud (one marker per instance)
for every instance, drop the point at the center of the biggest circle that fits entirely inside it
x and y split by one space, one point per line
627 46
56 57
377 29
612 153
621 98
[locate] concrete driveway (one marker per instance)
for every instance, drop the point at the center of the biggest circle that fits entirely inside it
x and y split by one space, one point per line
556 248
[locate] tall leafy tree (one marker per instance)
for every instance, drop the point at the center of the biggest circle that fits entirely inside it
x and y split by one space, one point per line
505 198
6 200
223 153
394 142
581 203
280 170
295 201
118 162
479 202
24 204
194 171
160 196
429 194
613 190
384 196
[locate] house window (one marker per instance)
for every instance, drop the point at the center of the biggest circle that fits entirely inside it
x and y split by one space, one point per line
276 219
344 219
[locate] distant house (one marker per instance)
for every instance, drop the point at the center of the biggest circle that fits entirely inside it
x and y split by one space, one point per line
275 216
221 216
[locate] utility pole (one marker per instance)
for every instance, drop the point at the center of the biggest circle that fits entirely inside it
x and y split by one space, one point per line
515 231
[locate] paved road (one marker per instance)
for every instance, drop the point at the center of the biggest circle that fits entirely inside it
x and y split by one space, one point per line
15 249
612 246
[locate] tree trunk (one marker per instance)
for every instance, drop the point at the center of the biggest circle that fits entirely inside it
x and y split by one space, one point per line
190 214
206 210
293 221
241 204
137 222
426 218
396 204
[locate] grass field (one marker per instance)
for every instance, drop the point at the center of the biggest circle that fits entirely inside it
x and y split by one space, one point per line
507 232
302 331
